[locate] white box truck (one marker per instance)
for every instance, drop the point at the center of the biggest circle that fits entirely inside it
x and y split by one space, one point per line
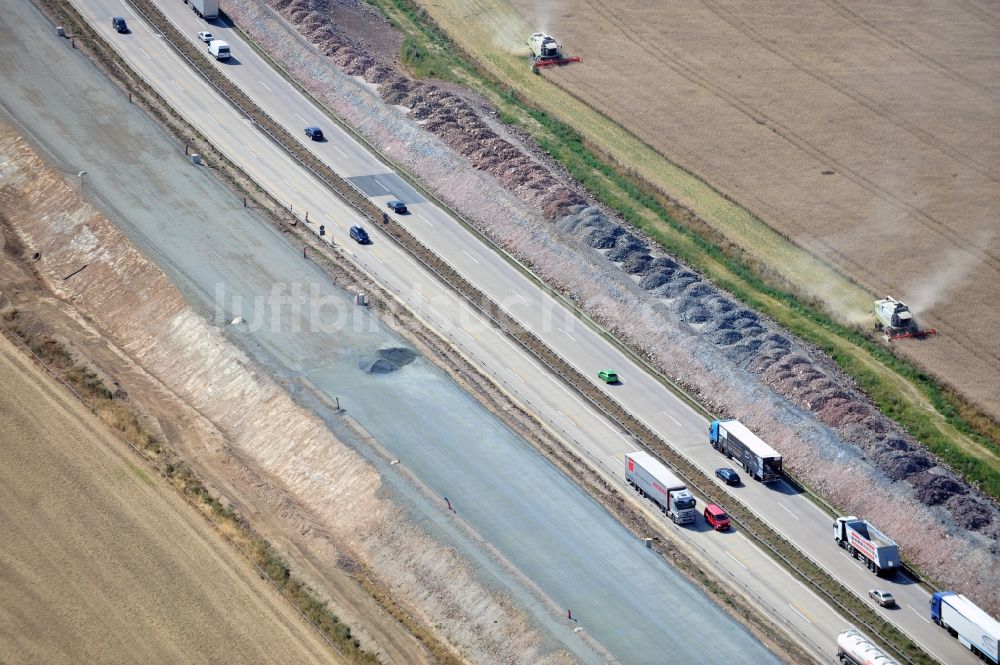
207 9
853 648
654 481
879 552
975 629
219 49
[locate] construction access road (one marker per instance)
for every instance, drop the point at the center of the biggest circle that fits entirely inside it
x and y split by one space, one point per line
584 348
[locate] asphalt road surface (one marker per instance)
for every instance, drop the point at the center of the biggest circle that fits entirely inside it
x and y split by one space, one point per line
602 444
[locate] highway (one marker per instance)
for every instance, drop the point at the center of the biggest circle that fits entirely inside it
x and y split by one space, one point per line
601 443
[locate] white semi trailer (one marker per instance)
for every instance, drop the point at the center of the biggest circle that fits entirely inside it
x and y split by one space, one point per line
853 648
975 629
207 9
653 480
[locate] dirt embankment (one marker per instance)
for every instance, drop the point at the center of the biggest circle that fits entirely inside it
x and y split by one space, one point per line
92 543
269 450
737 361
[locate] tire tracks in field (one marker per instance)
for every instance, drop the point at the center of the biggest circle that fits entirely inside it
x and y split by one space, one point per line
690 74
871 28
979 12
894 119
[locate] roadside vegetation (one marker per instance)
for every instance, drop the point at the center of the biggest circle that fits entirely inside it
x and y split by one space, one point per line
955 430
120 416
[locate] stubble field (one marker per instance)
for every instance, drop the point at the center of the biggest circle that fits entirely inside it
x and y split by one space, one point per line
863 133
107 563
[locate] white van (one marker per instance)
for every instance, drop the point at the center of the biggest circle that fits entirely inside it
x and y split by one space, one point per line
219 49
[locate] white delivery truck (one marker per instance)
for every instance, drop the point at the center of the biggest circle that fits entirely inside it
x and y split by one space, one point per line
219 49
975 629
652 480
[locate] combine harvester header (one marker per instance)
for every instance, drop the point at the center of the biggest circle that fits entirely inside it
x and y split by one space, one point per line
545 52
895 321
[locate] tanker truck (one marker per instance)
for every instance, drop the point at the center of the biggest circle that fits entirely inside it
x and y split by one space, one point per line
853 648
974 628
653 481
879 552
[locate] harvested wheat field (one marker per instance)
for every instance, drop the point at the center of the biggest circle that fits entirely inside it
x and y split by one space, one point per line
863 132
101 562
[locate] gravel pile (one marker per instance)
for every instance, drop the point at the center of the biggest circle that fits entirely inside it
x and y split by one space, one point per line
385 361
753 343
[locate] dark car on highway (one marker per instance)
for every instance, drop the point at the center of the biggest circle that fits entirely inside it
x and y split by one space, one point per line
118 23
315 133
360 235
728 476
397 206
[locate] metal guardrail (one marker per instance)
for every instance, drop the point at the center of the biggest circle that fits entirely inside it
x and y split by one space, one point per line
505 322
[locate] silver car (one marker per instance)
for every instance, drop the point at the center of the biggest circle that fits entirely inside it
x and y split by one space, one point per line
883 598
205 36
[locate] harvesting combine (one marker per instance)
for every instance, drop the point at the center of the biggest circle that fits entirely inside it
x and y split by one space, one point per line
545 52
895 321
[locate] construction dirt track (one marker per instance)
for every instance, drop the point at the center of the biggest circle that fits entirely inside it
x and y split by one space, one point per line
107 562
865 133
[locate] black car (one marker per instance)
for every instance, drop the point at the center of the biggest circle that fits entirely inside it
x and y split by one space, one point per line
728 476
360 235
397 206
315 133
118 23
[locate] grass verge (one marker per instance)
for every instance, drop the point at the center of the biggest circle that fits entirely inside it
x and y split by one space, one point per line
952 428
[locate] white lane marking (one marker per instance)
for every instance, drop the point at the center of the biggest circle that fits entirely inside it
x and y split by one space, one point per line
379 183
799 613
470 256
918 613
148 57
567 334
217 121
472 337
300 118
375 256
330 218
250 150
787 510
739 562
340 151
291 185
177 85
519 295
672 418
266 86
425 219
